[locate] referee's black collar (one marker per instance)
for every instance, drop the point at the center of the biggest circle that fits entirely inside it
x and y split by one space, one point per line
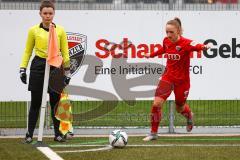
46 29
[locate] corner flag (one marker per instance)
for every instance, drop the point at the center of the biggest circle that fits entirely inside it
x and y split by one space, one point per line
53 59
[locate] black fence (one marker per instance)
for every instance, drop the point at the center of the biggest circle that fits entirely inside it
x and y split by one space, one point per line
128 113
197 5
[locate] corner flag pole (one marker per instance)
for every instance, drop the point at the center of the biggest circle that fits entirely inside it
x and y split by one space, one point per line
44 102
53 59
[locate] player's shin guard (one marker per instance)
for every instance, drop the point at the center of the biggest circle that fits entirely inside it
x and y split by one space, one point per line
156 115
187 112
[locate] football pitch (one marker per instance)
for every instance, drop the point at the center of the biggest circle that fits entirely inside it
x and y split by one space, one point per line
96 148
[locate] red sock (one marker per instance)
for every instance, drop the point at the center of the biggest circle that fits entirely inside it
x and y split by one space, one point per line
187 111
156 115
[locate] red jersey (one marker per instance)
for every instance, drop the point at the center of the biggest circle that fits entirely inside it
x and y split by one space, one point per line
178 57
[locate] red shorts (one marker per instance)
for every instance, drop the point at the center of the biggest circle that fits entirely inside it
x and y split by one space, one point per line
180 88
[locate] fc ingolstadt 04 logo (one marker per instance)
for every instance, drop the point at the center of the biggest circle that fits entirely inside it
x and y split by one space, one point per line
77 44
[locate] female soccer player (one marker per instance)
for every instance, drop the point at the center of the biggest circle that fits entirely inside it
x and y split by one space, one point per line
38 40
176 76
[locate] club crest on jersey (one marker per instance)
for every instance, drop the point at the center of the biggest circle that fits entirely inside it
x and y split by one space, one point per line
178 48
77 44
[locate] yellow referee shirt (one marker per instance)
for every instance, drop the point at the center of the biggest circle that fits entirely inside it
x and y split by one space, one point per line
38 40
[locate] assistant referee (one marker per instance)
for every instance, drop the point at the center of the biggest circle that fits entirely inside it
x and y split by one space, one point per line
37 40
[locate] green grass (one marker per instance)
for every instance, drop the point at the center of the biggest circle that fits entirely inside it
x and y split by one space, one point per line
179 153
13 149
129 113
163 153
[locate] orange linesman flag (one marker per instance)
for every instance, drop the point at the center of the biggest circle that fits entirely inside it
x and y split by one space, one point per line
64 113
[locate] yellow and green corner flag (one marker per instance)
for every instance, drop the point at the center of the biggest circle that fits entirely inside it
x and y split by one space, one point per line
64 113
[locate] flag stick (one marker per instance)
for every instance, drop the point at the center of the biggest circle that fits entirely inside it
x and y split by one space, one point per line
44 102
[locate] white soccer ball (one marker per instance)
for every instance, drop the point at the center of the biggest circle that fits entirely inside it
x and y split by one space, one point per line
118 138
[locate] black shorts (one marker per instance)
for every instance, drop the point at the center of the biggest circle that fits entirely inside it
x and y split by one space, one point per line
36 77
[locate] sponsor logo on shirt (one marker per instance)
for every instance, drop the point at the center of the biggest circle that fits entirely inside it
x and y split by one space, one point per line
175 57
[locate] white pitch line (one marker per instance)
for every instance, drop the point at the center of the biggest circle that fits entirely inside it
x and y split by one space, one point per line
87 150
49 153
77 145
154 145
187 145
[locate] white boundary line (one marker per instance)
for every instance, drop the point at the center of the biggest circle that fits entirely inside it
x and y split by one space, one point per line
77 145
88 150
49 153
153 145
187 145
104 147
